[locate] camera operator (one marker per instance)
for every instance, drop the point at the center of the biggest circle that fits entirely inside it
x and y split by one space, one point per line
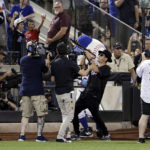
62 70
7 102
32 91
4 75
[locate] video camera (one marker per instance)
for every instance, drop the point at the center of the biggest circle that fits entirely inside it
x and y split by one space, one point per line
10 82
37 49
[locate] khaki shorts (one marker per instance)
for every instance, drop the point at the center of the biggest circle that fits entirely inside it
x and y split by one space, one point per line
30 103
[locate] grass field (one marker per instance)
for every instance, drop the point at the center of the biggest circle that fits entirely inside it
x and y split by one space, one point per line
76 145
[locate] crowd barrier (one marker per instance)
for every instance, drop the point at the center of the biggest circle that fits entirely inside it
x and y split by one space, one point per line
130 105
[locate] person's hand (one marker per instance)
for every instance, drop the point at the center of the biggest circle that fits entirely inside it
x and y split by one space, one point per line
43 17
8 74
23 18
15 14
89 55
136 25
49 41
92 65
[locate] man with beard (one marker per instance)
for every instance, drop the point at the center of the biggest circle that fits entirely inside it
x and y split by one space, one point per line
59 28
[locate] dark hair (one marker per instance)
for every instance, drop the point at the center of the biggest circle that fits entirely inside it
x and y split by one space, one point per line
30 20
62 48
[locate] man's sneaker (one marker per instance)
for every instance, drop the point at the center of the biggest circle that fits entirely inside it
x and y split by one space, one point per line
75 137
63 140
68 140
41 139
106 137
141 140
86 133
21 138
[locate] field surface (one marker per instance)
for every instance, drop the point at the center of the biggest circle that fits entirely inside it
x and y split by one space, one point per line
121 140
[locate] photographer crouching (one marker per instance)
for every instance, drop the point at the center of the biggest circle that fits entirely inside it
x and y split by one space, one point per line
4 75
32 91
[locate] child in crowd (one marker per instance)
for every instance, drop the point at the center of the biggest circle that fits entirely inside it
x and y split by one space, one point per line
17 26
33 33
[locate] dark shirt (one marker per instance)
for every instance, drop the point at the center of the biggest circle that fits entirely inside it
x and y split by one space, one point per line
61 20
63 68
97 82
16 41
126 10
27 10
32 69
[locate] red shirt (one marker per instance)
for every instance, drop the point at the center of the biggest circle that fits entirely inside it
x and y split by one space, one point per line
32 35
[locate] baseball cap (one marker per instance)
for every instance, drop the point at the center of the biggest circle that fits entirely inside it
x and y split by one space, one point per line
117 45
107 54
17 21
84 41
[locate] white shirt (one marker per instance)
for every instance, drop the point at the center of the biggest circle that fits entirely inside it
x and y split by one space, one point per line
143 71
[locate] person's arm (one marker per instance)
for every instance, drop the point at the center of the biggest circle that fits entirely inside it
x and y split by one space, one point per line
108 40
133 75
11 104
136 9
15 14
7 74
29 16
82 62
118 3
42 21
83 72
58 36
129 45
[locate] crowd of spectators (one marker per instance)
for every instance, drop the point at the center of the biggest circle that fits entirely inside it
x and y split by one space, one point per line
20 26
17 27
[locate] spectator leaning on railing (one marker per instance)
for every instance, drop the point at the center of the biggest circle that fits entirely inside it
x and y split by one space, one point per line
59 28
122 62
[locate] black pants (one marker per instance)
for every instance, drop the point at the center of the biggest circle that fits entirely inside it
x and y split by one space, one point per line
92 103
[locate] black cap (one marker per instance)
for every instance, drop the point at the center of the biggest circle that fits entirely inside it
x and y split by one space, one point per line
107 54
117 45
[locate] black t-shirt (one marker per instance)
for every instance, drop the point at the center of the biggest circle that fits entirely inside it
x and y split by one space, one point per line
18 37
63 69
97 82
126 11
